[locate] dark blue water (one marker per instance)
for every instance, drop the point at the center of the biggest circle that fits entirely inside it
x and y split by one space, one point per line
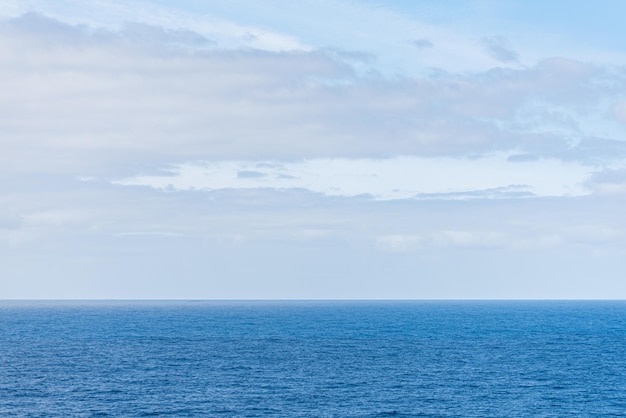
313 359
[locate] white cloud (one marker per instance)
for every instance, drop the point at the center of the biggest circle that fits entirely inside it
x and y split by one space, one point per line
539 242
398 243
488 240
593 233
470 238
111 101
116 16
393 178
268 138
114 241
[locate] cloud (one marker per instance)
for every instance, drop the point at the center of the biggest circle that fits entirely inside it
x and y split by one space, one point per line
10 221
326 159
385 179
422 43
93 239
96 102
500 49
619 111
150 34
39 28
610 176
610 181
517 158
468 240
398 243
248 174
593 233
513 191
589 236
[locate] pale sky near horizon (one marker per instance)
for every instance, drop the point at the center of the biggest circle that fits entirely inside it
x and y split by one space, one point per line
344 149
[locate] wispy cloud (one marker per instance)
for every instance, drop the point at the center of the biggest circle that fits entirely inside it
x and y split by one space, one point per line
291 131
392 178
422 43
500 49
113 101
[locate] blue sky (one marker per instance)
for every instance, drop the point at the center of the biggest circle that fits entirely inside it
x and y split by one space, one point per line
316 149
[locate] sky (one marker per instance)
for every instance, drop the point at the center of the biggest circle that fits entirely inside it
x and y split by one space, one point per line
344 149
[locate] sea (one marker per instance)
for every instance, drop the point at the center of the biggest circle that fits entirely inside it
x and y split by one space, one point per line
312 358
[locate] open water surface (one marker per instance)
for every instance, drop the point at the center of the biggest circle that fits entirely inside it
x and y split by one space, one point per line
312 359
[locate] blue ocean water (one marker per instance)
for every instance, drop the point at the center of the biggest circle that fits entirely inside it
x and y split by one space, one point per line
313 359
